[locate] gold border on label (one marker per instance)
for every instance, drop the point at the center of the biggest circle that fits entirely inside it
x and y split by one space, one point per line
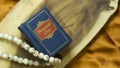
51 34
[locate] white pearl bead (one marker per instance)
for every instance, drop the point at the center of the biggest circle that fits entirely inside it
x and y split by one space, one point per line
10 57
5 36
30 62
26 46
15 58
25 61
15 39
10 37
41 55
57 60
1 54
20 60
46 57
22 45
1 35
19 41
35 53
52 59
36 63
31 50
5 55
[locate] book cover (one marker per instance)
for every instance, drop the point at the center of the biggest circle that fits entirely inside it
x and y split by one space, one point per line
44 33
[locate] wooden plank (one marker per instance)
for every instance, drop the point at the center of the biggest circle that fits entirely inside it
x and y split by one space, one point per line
71 16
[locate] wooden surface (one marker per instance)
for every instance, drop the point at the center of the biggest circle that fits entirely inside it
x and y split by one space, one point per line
75 16
104 50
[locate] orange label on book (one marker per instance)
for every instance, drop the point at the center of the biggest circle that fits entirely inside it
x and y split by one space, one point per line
45 29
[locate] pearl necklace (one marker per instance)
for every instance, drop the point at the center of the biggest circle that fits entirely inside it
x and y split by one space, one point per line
47 60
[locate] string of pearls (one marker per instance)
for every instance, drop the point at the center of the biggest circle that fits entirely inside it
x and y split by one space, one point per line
47 60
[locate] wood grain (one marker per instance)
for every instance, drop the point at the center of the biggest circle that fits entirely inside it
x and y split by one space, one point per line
77 17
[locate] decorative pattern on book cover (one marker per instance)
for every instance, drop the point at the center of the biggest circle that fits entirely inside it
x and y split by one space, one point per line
44 33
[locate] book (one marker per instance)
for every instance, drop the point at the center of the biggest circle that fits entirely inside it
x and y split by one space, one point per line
44 33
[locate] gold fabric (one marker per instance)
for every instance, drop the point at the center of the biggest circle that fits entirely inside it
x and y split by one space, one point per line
5 7
103 51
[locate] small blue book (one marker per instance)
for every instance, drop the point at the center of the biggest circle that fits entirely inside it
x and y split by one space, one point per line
44 33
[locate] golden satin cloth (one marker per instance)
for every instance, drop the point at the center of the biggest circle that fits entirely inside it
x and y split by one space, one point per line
5 6
102 52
